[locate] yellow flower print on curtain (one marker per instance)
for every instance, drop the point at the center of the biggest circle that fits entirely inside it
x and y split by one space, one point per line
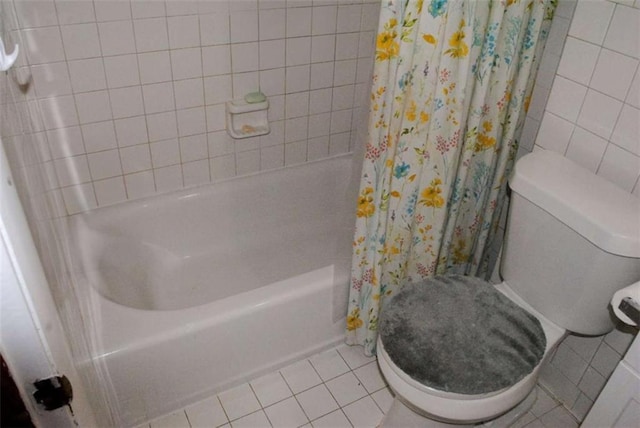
451 82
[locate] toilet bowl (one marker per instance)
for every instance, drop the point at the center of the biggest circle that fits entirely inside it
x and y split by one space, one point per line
564 256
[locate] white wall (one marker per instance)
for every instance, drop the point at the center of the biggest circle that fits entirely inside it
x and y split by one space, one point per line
586 106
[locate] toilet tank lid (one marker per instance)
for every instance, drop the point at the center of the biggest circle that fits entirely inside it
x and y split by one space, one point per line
592 206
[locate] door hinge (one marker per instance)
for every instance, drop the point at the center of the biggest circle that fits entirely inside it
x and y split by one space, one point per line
53 392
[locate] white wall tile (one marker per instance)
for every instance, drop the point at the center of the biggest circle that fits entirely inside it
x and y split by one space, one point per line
244 57
191 121
620 167
297 78
578 60
247 163
186 63
599 113
73 170
586 149
184 31
591 20
272 24
215 117
168 178
217 89
344 72
112 10
318 148
613 74
140 184
323 48
81 41
244 26
158 97
75 11
36 14
155 67
126 102
624 24
348 18
195 173
324 20
147 8
216 60
270 158
214 29
298 50
162 126
347 46
295 129
297 104
223 167
122 71
165 153
93 106
626 133
104 164
566 98
65 142
79 198
183 7
322 75
87 75
555 133
131 131
194 148
116 38
151 34
298 21
51 79
189 93
99 136
58 112
110 191
272 54
44 45
633 97
135 158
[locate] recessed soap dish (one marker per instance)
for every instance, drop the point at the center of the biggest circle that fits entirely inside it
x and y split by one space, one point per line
246 120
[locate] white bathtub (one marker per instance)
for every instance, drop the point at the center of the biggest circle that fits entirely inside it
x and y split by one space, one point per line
205 288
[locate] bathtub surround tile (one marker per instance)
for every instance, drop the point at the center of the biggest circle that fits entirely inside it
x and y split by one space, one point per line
196 173
168 178
110 191
137 68
239 401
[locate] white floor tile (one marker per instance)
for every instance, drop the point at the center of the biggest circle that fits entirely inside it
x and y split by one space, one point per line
363 413
207 413
329 364
254 420
286 414
300 376
239 401
335 419
558 418
354 356
370 377
317 402
173 420
346 389
383 399
270 389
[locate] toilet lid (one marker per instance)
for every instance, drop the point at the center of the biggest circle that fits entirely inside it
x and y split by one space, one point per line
460 334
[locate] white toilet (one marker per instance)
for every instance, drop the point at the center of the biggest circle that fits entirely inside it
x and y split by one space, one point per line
572 240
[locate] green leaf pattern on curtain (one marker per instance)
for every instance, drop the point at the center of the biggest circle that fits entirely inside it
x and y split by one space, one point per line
451 85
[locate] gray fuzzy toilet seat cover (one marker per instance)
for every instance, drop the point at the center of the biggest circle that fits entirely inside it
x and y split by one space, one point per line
460 334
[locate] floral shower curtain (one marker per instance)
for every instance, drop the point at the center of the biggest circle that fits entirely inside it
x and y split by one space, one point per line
451 85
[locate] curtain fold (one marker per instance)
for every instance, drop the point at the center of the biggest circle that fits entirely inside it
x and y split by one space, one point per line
451 85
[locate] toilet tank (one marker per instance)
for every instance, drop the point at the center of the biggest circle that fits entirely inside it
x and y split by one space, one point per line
572 240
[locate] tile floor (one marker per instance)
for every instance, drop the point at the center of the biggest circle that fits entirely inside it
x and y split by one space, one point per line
339 388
